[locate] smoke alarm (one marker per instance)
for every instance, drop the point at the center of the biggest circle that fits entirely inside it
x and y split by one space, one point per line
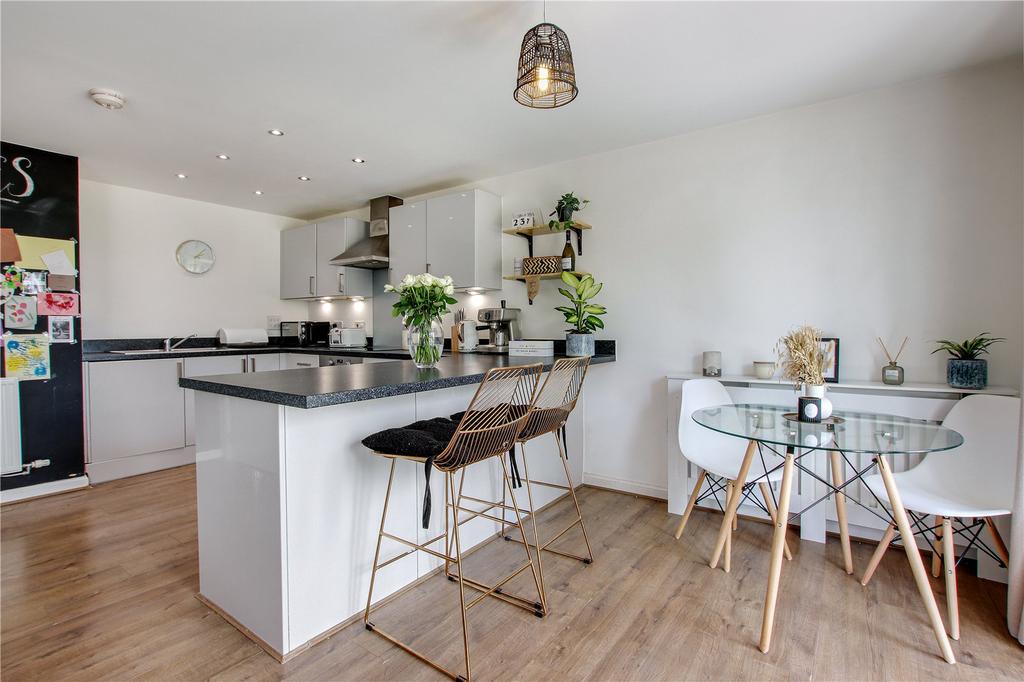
107 98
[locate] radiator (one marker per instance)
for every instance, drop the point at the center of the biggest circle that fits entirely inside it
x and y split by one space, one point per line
10 426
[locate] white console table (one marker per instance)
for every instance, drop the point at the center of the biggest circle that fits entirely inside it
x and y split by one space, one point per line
923 401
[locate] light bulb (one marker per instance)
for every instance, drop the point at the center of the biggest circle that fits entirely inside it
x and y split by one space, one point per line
542 78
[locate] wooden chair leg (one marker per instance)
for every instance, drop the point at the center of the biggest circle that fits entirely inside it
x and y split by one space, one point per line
914 558
876 558
937 549
766 494
949 559
775 566
690 503
997 540
727 560
836 465
730 509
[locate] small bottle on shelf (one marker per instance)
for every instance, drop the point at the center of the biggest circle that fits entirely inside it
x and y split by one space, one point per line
568 255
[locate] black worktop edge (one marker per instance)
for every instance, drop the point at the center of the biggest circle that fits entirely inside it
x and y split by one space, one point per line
354 395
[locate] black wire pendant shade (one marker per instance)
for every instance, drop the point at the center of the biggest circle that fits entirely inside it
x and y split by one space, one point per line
546 77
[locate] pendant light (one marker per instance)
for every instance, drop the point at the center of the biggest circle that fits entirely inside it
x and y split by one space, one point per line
546 77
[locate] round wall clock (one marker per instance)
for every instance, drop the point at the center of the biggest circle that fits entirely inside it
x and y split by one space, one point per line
195 256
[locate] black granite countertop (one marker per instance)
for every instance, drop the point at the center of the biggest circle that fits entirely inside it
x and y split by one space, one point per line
323 386
199 352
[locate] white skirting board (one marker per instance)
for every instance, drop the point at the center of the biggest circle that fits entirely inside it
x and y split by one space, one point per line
622 485
42 489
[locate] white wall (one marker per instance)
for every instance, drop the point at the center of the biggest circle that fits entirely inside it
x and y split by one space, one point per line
133 287
888 213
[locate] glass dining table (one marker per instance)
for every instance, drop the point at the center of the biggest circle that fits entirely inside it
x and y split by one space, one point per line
779 440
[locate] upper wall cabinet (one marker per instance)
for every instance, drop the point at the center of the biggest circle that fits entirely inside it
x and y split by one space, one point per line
306 252
457 234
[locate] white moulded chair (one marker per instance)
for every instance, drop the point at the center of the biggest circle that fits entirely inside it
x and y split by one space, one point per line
974 481
719 457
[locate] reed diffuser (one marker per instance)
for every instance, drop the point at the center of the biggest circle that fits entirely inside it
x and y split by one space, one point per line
892 373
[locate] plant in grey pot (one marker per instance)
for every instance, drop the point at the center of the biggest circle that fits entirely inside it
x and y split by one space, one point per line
966 368
567 204
582 315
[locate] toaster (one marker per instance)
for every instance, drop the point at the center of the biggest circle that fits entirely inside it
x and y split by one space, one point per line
347 338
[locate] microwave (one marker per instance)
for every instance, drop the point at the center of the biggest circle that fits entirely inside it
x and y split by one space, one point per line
296 333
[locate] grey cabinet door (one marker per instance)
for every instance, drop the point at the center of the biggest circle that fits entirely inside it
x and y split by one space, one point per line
135 407
264 362
451 237
407 227
298 262
206 366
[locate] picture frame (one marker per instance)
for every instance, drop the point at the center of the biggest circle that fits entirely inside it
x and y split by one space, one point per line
61 328
33 282
524 219
830 349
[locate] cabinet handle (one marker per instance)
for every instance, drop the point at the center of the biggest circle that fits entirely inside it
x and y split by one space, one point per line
312 284
341 282
303 364
180 373
428 267
243 365
252 364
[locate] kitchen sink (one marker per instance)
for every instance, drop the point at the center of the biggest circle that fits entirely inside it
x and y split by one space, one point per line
152 351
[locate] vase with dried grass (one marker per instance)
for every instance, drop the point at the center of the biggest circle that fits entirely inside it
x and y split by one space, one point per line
802 359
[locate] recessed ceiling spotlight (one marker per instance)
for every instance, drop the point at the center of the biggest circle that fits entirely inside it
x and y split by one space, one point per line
107 98
181 176
304 178
223 157
275 132
358 160
258 192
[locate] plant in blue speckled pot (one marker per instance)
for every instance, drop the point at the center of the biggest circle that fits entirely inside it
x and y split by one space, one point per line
966 368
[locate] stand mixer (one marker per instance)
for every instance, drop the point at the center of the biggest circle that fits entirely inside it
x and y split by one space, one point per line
502 325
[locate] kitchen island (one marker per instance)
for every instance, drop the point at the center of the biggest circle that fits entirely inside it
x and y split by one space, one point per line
289 500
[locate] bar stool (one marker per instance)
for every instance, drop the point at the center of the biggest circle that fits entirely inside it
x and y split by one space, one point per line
555 402
489 428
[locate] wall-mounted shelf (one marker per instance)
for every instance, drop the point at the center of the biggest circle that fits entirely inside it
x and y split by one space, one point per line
529 233
533 281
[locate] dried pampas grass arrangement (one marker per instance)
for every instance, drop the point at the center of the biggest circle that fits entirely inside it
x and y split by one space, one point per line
801 356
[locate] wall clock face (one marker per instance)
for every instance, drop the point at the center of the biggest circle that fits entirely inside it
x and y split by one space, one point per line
195 256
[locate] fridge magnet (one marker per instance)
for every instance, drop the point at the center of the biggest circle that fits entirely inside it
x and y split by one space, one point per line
27 356
20 312
33 282
61 328
54 303
60 282
33 250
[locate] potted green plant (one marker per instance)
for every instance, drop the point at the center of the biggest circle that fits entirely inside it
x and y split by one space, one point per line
966 368
567 204
582 315
422 300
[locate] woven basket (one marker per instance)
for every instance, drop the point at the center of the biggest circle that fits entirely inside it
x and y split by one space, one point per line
542 265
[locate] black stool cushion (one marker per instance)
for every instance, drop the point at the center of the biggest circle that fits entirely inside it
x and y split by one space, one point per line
426 438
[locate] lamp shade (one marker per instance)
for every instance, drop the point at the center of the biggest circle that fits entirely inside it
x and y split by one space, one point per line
546 78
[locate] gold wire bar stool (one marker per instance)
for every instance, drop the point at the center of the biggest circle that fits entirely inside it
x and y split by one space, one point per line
489 428
555 402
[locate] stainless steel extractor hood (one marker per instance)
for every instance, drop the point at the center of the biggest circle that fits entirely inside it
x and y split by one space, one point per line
374 252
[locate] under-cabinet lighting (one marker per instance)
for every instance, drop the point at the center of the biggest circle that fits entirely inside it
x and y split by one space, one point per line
276 132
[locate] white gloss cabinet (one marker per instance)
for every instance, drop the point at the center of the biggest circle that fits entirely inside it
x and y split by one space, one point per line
456 234
135 407
306 252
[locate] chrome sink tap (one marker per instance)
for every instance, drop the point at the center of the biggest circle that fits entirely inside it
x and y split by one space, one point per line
169 347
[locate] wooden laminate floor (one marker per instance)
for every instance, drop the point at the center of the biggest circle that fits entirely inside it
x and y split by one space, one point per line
100 584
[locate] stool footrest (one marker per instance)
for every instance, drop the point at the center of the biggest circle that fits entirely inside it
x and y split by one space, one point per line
405 647
496 592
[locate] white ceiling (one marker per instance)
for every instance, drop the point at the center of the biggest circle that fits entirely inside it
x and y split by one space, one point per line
423 90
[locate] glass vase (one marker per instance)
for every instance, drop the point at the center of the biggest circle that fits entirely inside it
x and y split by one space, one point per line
425 341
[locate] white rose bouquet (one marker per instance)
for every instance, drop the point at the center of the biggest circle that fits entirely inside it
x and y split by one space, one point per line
422 300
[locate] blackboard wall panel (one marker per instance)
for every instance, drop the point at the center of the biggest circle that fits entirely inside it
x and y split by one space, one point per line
39 197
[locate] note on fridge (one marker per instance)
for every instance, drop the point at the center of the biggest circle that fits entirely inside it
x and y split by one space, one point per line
58 263
33 248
